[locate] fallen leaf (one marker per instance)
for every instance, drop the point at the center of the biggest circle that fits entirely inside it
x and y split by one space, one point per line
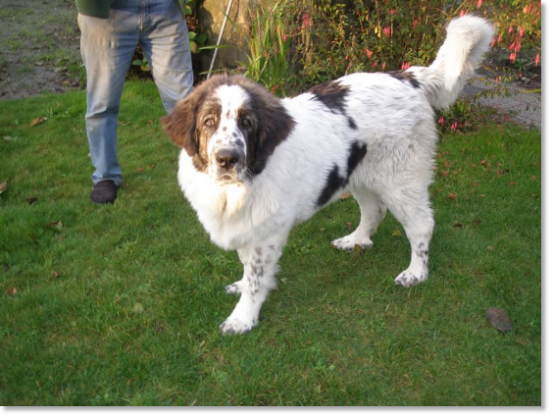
138 308
11 291
477 222
452 196
3 186
490 248
498 319
38 120
396 232
345 196
349 225
458 224
139 169
512 183
56 225
55 274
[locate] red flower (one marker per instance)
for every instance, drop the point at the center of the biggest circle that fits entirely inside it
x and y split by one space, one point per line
405 66
441 120
369 53
537 59
383 66
453 126
306 20
392 11
387 31
479 3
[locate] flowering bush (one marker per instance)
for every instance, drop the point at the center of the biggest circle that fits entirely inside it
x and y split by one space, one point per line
378 35
300 43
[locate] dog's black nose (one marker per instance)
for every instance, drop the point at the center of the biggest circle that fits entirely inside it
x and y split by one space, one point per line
227 158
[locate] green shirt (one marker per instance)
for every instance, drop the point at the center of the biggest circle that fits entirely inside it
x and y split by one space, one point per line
100 8
94 8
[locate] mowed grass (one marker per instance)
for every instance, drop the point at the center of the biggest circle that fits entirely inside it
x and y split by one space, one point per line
120 305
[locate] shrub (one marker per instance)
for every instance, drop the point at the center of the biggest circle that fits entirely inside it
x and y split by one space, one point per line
378 35
300 43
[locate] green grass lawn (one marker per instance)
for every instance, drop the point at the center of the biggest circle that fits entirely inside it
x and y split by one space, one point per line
120 305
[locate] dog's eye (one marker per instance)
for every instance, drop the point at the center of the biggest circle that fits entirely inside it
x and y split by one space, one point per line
246 122
209 122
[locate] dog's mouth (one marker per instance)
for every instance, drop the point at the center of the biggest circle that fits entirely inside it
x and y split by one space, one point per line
227 179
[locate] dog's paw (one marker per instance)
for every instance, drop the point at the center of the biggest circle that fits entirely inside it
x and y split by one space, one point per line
348 243
408 279
235 288
236 326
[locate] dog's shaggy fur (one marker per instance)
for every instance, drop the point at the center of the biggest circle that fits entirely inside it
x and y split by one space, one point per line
253 165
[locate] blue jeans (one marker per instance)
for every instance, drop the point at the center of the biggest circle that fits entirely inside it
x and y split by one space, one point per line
107 48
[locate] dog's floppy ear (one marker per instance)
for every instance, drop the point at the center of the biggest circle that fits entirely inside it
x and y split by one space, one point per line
180 124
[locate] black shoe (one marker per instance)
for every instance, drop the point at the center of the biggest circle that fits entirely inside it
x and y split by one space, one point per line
104 192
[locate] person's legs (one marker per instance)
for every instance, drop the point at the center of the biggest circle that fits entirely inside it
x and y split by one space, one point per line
164 39
107 47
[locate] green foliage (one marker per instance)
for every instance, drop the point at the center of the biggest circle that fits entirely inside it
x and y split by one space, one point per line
325 39
120 304
268 54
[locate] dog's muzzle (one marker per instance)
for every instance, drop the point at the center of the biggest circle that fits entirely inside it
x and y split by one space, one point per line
229 164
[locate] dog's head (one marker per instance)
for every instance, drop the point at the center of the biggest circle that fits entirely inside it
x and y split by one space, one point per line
229 126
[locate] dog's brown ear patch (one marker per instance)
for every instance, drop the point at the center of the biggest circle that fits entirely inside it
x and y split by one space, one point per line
180 124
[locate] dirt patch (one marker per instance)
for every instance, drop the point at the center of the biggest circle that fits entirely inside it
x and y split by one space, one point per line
39 48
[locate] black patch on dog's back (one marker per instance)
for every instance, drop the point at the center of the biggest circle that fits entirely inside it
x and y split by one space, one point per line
406 77
335 181
332 94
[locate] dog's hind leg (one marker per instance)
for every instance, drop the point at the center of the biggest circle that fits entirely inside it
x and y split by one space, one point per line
372 212
260 267
412 209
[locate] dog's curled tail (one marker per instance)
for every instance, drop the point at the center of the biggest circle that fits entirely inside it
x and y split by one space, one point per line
468 39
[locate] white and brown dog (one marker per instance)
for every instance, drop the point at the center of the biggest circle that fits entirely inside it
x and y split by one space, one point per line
253 165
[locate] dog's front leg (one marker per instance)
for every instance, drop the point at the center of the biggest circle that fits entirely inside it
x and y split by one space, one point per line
260 266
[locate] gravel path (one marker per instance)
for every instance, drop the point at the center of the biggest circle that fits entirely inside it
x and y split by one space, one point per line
524 104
